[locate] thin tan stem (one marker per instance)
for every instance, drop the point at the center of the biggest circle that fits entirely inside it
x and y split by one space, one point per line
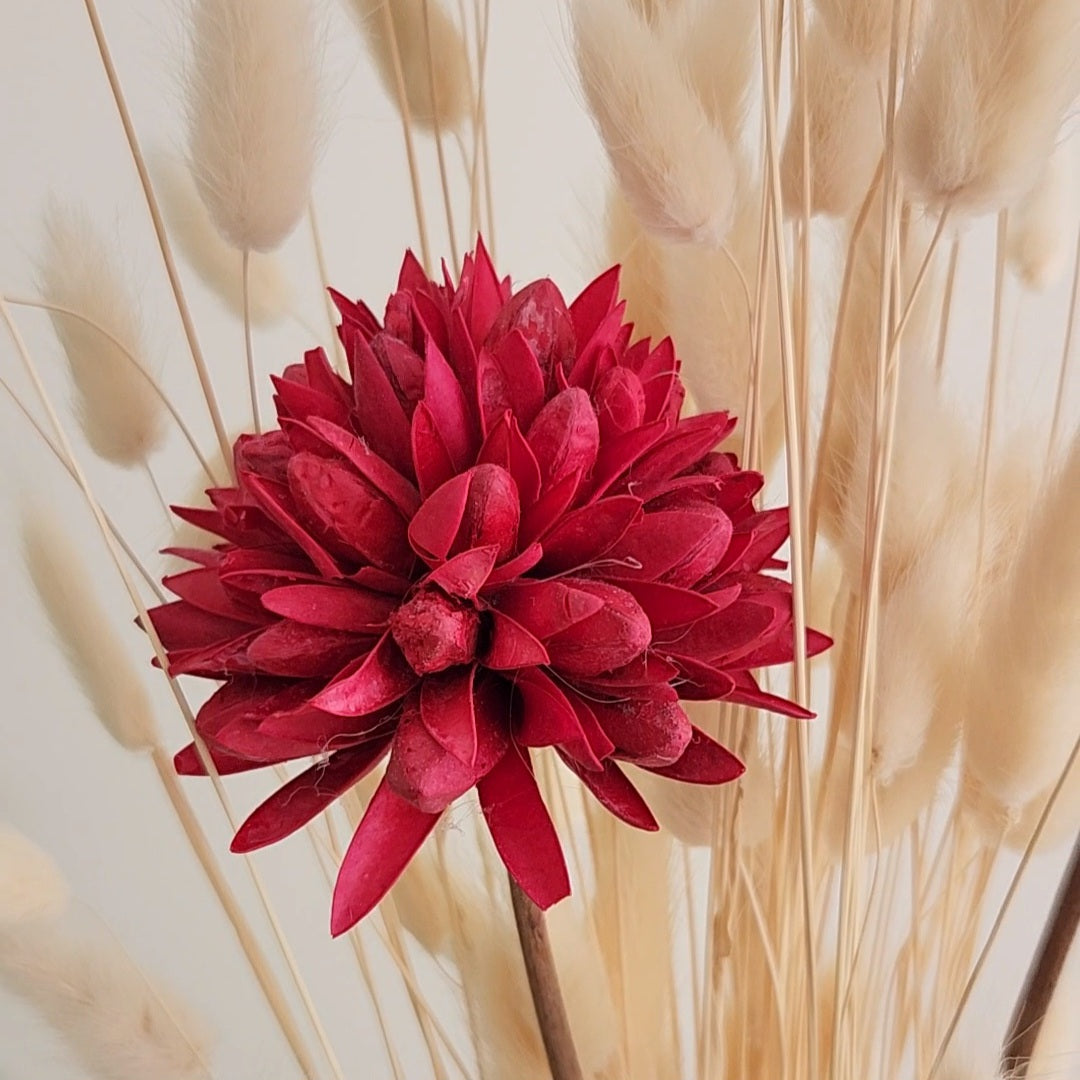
129 551
159 495
159 230
155 386
245 935
799 564
407 133
249 351
324 282
946 308
544 985
986 438
1066 354
436 122
484 22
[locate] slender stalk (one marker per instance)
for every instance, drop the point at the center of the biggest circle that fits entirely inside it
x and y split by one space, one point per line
1063 371
544 985
42 305
324 281
407 133
159 229
158 493
946 308
1045 971
118 537
799 563
200 847
249 351
440 151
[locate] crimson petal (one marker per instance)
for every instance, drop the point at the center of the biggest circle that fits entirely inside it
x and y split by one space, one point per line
448 710
306 796
565 436
588 532
651 730
546 608
389 835
334 607
378 679
522 831
464 575
512 646
548 718
704 761
617 632
615 793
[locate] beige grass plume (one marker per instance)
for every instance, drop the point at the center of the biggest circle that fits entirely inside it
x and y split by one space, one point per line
715 41
1022 719
115 1023
863 28
641 256
253 112
121 415
675 168
31 886
97 655
436 85
707 307
218 263
844 128
1043 223
982 110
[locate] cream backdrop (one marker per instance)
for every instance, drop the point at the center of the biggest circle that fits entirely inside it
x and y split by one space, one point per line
100 811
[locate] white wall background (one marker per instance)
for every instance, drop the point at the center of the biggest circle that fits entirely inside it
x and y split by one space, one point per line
99 811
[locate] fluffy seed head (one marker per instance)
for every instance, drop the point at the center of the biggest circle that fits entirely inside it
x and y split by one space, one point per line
98 658
982 109
253 111
120 414
674 167
436 82
31 885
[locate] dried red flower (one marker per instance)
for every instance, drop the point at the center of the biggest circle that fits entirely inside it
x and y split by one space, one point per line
500 535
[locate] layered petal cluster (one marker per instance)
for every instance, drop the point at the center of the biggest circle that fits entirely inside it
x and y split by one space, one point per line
497 535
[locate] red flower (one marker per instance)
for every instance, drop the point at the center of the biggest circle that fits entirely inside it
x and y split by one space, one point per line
499 535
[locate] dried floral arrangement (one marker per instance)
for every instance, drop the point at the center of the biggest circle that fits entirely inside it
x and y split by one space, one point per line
618 768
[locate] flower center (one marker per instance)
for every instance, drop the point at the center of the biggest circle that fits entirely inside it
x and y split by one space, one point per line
435 632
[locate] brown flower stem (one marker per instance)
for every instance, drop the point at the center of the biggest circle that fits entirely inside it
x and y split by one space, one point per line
544 984
1045 970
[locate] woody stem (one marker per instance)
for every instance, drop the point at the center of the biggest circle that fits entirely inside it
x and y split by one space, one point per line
1045 971
544 984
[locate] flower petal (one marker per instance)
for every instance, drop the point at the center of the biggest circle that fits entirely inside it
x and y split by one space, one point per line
546 608
522 830
648 730
565 435
617 632
388 836
303 652
380 418
449 714
506 446
306 796
511 645
378 679
668 605
596 301
704 761
586 533
464 575
334 607
273 503
548 718
614 791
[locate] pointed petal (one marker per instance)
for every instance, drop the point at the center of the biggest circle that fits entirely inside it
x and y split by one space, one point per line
512 646
565 435
617 633
334 607
721 639
614 791
522 830
389 835
303 652
429 776
506 446
546 608
548 718
444 398
704 761
585 534
380 418
747 692
464 575
595 302
648 730
448 712
515 567
376 470
667 605
306 796
540 515
272 503
432 460
380 678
